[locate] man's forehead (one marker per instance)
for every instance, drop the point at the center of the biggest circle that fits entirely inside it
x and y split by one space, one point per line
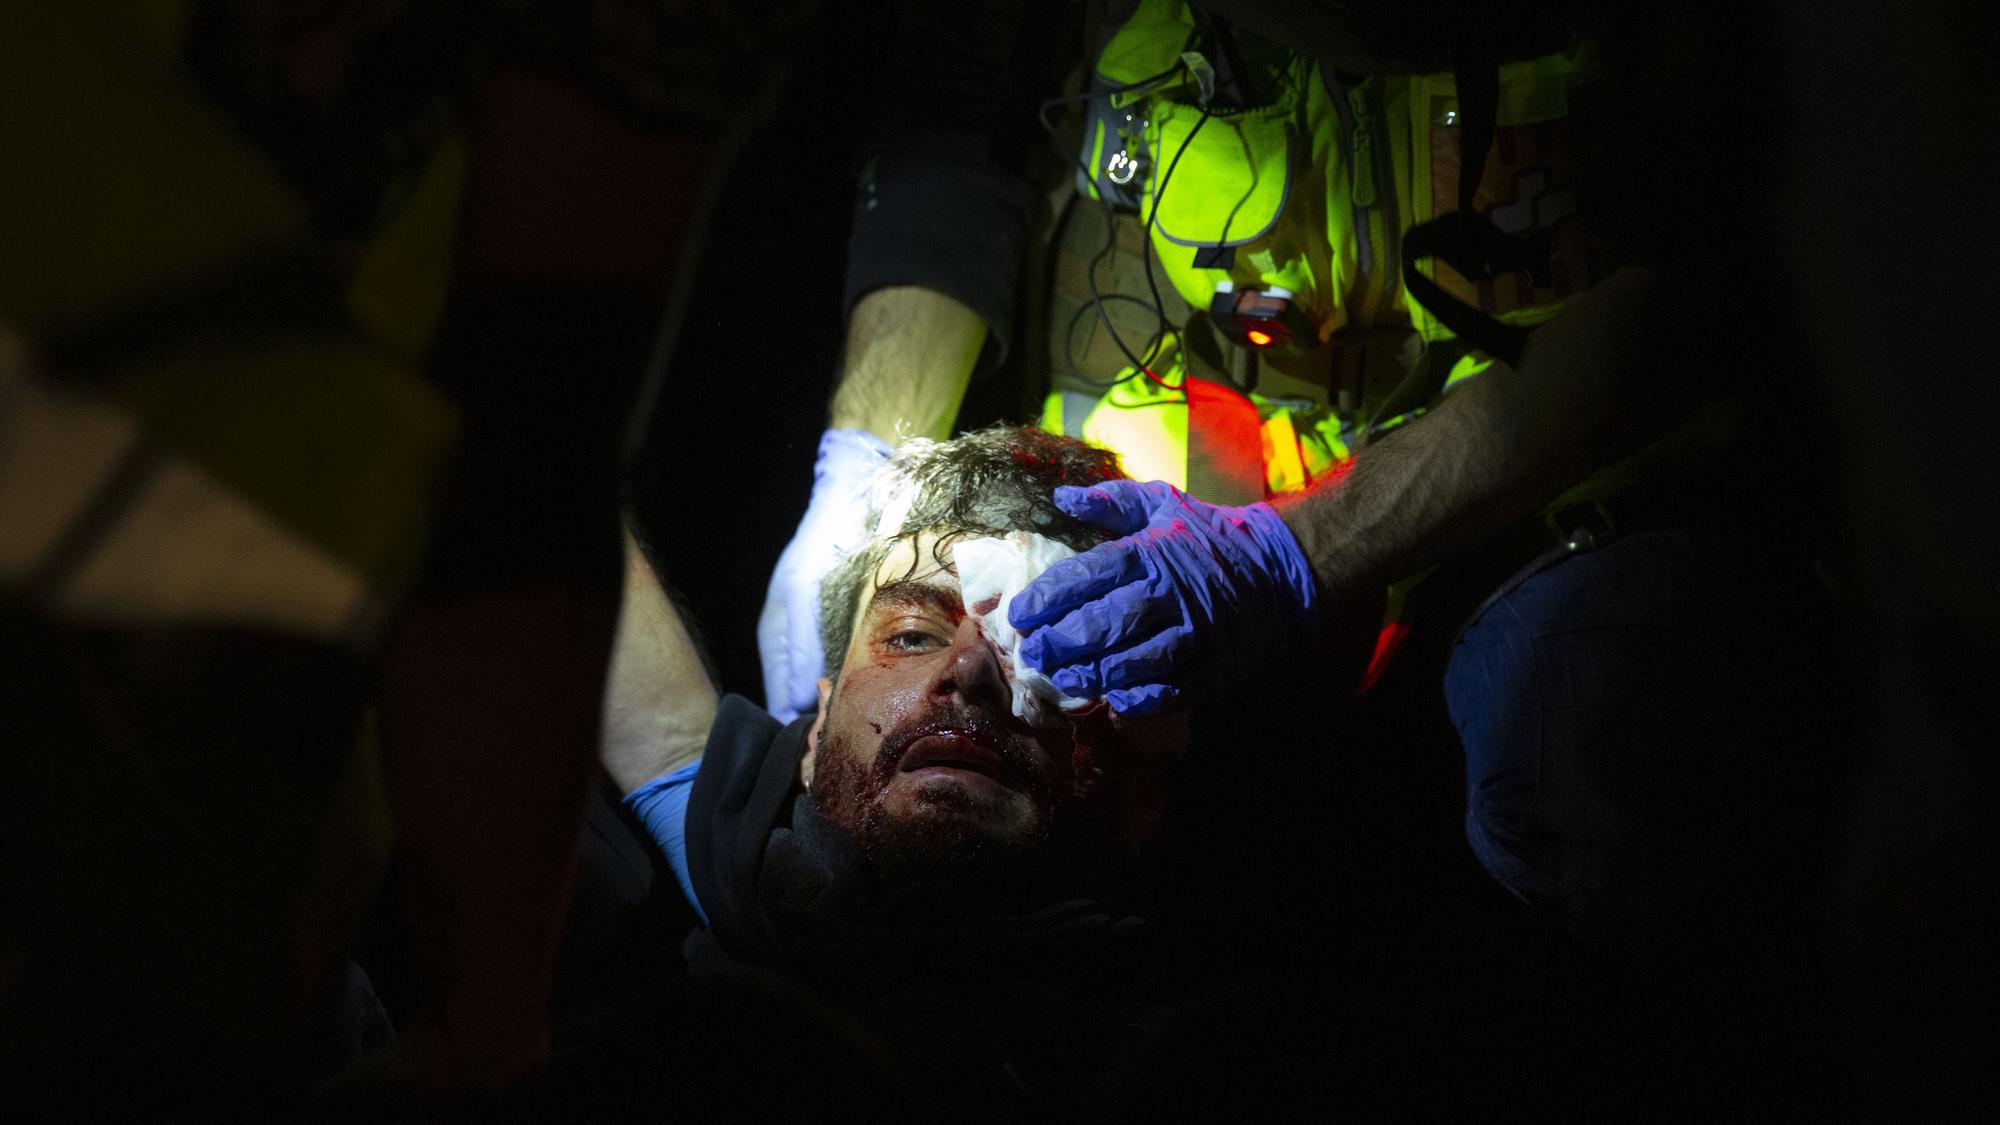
915 560
909 571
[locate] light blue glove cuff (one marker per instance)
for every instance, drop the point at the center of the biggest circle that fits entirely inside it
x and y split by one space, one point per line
848 457
788 640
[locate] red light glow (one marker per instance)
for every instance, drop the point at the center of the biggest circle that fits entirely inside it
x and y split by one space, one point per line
1386 643
1261 339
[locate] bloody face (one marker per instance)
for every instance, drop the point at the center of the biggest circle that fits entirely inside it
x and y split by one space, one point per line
920 750
922 760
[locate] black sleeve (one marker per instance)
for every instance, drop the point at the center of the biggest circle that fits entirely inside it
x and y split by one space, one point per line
944 224
743 789
945 199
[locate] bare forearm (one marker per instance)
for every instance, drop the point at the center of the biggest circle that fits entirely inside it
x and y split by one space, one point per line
1591 390
1407 499
910 353
659 702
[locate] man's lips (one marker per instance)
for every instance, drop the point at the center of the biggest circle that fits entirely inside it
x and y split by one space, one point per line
964 748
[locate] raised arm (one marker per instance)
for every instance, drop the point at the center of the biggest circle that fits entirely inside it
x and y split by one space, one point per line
658 701
1196 597
942 210
910 353
1595 386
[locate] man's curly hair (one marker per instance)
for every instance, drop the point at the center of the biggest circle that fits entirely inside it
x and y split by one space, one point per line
988 482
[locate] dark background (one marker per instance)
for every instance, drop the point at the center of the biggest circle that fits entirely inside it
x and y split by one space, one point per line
1836 158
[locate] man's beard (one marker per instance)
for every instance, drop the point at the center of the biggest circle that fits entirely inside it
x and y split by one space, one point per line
945 839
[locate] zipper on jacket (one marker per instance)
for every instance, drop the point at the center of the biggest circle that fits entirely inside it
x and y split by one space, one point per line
1389 250
1374 185
1362 169
1364 239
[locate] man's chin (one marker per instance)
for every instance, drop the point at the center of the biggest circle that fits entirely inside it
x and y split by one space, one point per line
934 822
958 810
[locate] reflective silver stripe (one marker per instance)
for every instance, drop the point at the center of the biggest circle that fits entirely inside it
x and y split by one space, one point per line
1076 406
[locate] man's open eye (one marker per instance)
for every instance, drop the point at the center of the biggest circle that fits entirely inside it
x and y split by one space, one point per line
906 638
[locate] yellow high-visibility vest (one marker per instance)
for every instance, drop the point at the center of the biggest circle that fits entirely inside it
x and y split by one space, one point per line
1311 194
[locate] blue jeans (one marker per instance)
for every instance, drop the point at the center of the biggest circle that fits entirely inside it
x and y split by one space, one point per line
1624 719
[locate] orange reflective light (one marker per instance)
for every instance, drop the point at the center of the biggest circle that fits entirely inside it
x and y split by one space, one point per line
1261 339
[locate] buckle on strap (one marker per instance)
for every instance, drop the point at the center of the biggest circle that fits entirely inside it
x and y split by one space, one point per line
1582 527
1577 528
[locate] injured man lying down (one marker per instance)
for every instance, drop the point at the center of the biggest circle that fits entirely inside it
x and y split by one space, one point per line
950 870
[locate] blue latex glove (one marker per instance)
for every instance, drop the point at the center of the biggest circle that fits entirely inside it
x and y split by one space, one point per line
788 640
1191 601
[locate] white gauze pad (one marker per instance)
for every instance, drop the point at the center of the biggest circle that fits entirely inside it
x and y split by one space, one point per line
990 573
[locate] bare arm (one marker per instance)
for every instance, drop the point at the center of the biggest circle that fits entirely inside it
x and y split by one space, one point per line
658 700
910 354
1594 386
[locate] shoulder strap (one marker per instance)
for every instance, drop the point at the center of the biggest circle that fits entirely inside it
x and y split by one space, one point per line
1467 240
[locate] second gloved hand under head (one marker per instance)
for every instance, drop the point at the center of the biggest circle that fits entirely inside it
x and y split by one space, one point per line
788 640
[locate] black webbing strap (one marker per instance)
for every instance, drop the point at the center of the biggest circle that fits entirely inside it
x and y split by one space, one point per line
1478 117
1467 240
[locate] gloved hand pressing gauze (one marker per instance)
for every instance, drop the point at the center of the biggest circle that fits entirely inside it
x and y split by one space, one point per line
990 573
1192 597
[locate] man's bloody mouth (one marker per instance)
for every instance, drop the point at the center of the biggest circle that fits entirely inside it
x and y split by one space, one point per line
971 749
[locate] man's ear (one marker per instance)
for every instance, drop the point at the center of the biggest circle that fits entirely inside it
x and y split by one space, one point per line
811 757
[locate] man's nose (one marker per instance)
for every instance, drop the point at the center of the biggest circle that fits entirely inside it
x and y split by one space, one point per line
972 668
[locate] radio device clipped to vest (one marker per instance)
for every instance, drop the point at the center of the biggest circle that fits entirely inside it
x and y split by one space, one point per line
1260 318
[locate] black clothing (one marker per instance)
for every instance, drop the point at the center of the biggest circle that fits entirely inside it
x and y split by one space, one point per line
947 225
944 198
749 773
954 1001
